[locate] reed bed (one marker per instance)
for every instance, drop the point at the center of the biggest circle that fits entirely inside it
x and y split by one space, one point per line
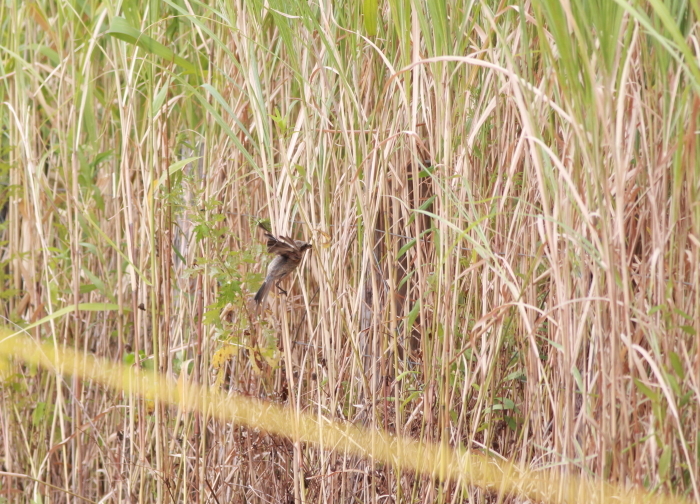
503 204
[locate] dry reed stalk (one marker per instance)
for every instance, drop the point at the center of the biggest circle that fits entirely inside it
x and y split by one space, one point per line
542 306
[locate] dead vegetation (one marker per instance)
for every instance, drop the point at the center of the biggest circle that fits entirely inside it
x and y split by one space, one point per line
503 206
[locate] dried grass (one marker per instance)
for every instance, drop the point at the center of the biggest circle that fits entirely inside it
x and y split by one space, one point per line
505 223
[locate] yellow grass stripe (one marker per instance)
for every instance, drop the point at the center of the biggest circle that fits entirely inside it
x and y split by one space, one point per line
439 461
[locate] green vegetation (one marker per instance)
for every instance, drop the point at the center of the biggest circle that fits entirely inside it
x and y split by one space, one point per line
503 202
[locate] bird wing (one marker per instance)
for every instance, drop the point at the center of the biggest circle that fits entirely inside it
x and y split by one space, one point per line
282 246
289 241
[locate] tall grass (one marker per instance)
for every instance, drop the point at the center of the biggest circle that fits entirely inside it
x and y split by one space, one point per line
503 202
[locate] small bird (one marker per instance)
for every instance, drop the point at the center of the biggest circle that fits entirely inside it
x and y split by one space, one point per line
289 254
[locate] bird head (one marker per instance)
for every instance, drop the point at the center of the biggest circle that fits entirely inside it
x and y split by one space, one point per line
303 246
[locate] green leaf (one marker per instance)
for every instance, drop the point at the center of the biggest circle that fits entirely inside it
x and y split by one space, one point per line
403 375
515 375
503 404
175 167
682 314
52 55
121 29
677 365
70 309
654 309
426 172
413 315
654 396
427 203
556 345
411 243
673 383
98 283
405 248
280 121
370 8
507 404
39 413
86 288
685 399
159 98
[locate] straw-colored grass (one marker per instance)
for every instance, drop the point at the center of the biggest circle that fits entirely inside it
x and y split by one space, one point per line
462 468
503 203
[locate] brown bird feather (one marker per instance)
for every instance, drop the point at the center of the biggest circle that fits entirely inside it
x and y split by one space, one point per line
288 255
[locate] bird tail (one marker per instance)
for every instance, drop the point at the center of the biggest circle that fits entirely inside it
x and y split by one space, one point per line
262 292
